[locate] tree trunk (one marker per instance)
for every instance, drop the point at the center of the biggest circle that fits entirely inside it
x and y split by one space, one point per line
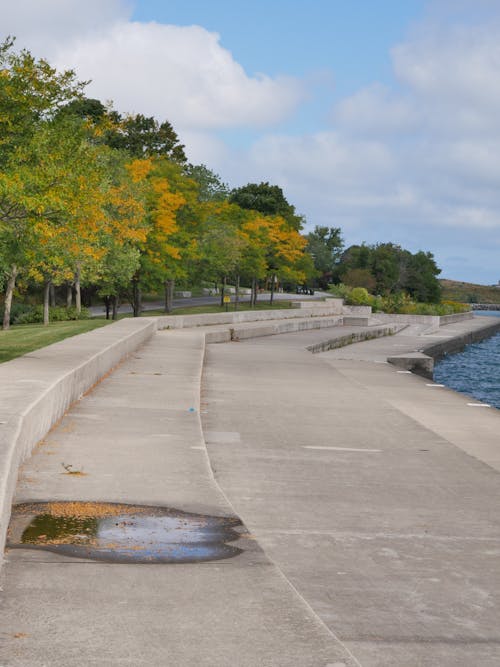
136 297
115 303
107 304
46 298
223 291
237 295
78 292
69 296
9 292
271 299
169 295
52 295
255 286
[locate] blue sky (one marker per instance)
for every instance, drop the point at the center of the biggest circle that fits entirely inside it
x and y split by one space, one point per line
380 117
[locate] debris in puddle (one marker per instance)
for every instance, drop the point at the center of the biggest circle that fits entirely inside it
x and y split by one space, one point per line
122 533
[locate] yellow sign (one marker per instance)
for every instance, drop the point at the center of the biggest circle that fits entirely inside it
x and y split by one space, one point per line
227 299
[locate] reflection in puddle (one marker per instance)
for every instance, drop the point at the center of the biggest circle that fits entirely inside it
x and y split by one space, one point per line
122 533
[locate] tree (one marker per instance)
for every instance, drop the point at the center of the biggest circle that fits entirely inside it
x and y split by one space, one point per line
325 245
31 94
360 278
144 137
421 281
268 200
210 185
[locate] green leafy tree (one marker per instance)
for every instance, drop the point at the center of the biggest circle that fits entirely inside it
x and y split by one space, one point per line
325 245
143 137
268 200
210 185
421 281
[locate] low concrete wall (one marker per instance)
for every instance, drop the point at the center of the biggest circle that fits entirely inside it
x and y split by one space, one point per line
456 317
288 326
425 322
243 316
332 305
456 344
356 337
37 389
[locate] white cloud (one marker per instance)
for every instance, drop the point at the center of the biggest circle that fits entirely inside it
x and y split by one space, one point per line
179 73
182 74
377 109
43 26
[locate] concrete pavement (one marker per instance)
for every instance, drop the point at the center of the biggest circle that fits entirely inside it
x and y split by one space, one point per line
136 438
355 480
372 535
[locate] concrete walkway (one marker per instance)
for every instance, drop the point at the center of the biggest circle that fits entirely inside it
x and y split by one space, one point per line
137 439
353 478
379 532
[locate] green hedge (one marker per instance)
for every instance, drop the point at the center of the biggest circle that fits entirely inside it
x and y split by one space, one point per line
34 315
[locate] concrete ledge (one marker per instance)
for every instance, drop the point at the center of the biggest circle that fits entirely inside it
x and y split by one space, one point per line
457 343
249 331
331 305
38 388
356 321
244 316
456 317
357 337
416 362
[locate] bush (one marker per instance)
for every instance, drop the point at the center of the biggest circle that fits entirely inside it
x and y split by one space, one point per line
359 297
403 305
34 315
16 311
341 291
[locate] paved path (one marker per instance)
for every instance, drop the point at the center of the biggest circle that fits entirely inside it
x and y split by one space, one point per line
353 478
379 532
137 439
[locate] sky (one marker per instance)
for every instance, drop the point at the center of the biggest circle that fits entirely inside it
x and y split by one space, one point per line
381 118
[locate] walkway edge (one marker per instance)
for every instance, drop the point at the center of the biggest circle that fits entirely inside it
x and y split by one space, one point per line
64 372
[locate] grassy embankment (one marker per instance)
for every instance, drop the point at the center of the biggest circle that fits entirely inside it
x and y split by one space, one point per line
24 338
453 290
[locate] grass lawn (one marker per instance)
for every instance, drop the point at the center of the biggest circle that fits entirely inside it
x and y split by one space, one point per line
23 338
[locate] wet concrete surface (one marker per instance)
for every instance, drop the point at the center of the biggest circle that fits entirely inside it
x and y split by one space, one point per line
121 533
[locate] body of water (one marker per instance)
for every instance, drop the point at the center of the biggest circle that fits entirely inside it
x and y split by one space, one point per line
476 370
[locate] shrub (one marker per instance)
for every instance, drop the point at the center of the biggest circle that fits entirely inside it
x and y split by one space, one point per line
359 297
16 311
34 315
341 291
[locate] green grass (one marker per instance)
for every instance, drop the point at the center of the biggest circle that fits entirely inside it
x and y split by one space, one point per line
23 338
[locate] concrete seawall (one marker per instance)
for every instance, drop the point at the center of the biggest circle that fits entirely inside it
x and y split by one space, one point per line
422 361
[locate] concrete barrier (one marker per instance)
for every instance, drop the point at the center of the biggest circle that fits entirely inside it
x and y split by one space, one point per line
457 343
355 337
243 316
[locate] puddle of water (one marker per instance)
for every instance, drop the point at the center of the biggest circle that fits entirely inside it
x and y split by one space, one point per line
122 533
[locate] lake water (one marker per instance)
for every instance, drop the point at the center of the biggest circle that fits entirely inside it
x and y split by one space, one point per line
476 370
